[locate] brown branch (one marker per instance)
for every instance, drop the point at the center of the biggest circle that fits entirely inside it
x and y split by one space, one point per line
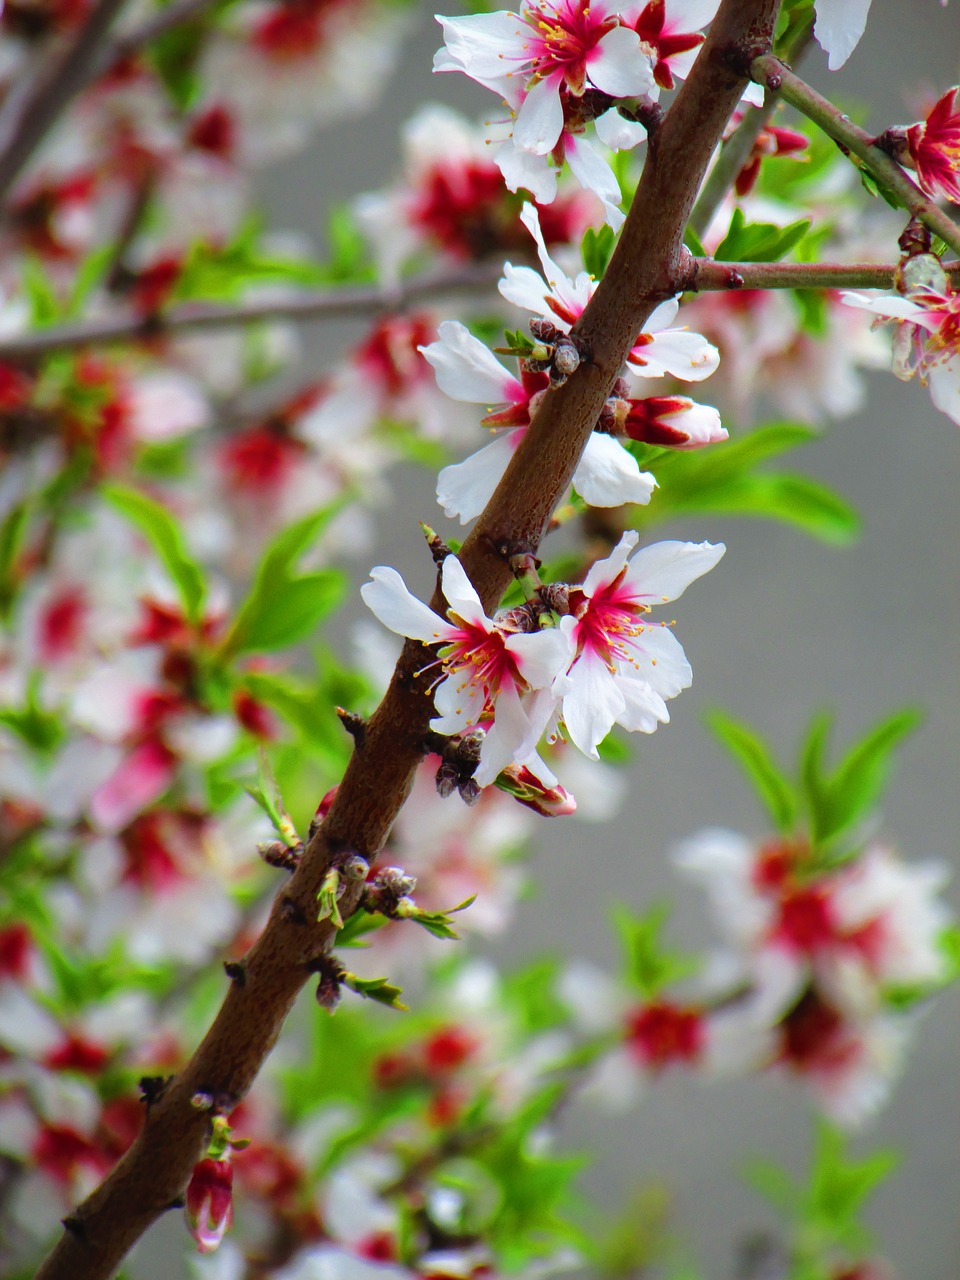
778 78
190 317
29 113
646 267
706 274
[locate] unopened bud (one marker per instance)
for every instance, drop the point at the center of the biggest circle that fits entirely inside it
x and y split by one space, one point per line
356 868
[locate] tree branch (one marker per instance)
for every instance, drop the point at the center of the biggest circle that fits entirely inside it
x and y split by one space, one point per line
771 72
708 275
646 267
189 317
28 114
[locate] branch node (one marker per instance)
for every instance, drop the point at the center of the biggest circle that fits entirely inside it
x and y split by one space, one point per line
216 1102
275 853
152 1089
291 911
355 725
236 972
438 548
76 1226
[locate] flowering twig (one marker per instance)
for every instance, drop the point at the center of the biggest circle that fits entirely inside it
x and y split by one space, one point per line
771 72
31 109
646 267
188 317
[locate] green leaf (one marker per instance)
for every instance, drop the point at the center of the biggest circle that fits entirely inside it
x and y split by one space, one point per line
357 926
39 728
840 1185
379 989
758 764
282 606
266 795
859 780
327 899
436 922
163 533
694 243
596 248
651 966
759 241
12 533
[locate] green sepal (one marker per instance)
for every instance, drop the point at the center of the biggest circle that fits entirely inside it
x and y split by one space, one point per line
435 922
379 989
328 908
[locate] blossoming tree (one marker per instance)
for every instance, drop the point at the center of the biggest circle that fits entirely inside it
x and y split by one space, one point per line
660 201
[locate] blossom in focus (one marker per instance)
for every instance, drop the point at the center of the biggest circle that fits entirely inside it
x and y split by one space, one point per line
606 476
485 670
671 422
625 667
548 46
926 339
673 29
209 1202
933 146
658 350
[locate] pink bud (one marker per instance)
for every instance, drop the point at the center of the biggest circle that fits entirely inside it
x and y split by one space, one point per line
209 1202
519 782
673 422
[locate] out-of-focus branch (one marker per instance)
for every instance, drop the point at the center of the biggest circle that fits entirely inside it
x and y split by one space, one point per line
646 267
136 38
190 317
30 111
779 79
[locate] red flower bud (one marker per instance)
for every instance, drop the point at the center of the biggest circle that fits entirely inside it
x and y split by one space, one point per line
209 1202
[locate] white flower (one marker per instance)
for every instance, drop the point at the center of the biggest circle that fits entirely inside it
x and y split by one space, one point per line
485 671
624 667
607 475
839 26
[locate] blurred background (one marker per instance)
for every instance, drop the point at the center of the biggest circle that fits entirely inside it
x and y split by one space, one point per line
784 627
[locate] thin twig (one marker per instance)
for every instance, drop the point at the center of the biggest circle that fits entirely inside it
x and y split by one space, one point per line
707 275
28 115
771 72
321 304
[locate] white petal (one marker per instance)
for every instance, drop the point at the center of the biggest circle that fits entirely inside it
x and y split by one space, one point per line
531 172
388 599
839 26
507 738
466 369
943 379
459 704
604 571
619 134
539 121
593 704
619 66
594 174
664 571
609 476
662 317
643 708
661 662
753 95
460 594
484 45
891 305
465 488
687 356
541 655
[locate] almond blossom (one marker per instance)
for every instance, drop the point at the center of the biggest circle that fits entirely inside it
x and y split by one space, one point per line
926 337
625 667
485 669
606 476
657 351
932 148
554 44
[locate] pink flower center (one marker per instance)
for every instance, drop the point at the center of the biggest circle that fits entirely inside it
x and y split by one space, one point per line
661 1033
566 34
483 658
609 624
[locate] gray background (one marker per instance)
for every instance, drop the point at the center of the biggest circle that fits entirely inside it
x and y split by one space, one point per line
784 626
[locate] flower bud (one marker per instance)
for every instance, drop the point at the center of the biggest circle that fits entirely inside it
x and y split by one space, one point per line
209 1202
519 782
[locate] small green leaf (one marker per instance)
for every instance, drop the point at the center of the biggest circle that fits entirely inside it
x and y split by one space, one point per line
840 1185
857 783
379 989
759 241
436 922
328 908
266 795
596 248
41 729
166 538
357 926
282 606
754 756
651 966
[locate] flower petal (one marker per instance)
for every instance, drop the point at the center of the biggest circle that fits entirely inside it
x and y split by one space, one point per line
609 476
465 488
466 369
664 571
388 599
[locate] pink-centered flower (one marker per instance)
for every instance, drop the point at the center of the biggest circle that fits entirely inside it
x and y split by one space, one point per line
548 46
485 670
607 475
658 350
926 339
673 30
625 666
934 148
